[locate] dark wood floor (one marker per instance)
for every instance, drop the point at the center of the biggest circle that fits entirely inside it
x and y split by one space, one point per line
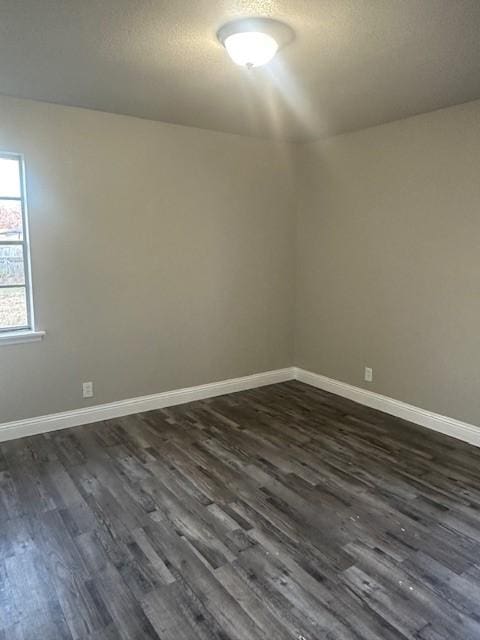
280 513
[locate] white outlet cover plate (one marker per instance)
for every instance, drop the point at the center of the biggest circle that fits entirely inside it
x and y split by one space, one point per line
87 389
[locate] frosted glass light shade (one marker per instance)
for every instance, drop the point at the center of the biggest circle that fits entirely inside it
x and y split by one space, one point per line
251 48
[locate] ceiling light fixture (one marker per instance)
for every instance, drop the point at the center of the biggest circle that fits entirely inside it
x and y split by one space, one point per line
252 42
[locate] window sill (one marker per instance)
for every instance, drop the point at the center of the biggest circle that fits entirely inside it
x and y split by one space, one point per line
17 337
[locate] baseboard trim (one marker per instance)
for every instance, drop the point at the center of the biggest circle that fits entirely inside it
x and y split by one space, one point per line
435 421
87 415
53 422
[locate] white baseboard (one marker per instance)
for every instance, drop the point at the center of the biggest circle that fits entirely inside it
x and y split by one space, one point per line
87 415
435 421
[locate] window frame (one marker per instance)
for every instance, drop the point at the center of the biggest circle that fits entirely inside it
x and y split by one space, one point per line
29 327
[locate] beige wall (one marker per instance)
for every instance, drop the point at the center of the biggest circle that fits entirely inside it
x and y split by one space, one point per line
162 257
388 260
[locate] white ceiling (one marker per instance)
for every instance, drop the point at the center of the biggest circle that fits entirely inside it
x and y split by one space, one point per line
354 63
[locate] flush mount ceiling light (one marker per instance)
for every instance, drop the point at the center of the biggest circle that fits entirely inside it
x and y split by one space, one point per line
252 42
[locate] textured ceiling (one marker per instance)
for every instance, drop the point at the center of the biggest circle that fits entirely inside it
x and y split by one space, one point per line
354 63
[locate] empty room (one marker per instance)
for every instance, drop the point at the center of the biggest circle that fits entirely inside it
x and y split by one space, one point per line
239 320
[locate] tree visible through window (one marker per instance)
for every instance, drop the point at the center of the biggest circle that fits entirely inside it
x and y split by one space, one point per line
15 305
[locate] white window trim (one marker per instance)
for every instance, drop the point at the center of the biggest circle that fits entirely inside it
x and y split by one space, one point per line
23 334
18 336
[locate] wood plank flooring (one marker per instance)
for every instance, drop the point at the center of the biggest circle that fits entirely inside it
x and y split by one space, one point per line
280 513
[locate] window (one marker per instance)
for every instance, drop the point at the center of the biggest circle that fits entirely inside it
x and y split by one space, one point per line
15 289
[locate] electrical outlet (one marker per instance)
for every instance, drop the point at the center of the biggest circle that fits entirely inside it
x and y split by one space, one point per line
368 374
87 389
